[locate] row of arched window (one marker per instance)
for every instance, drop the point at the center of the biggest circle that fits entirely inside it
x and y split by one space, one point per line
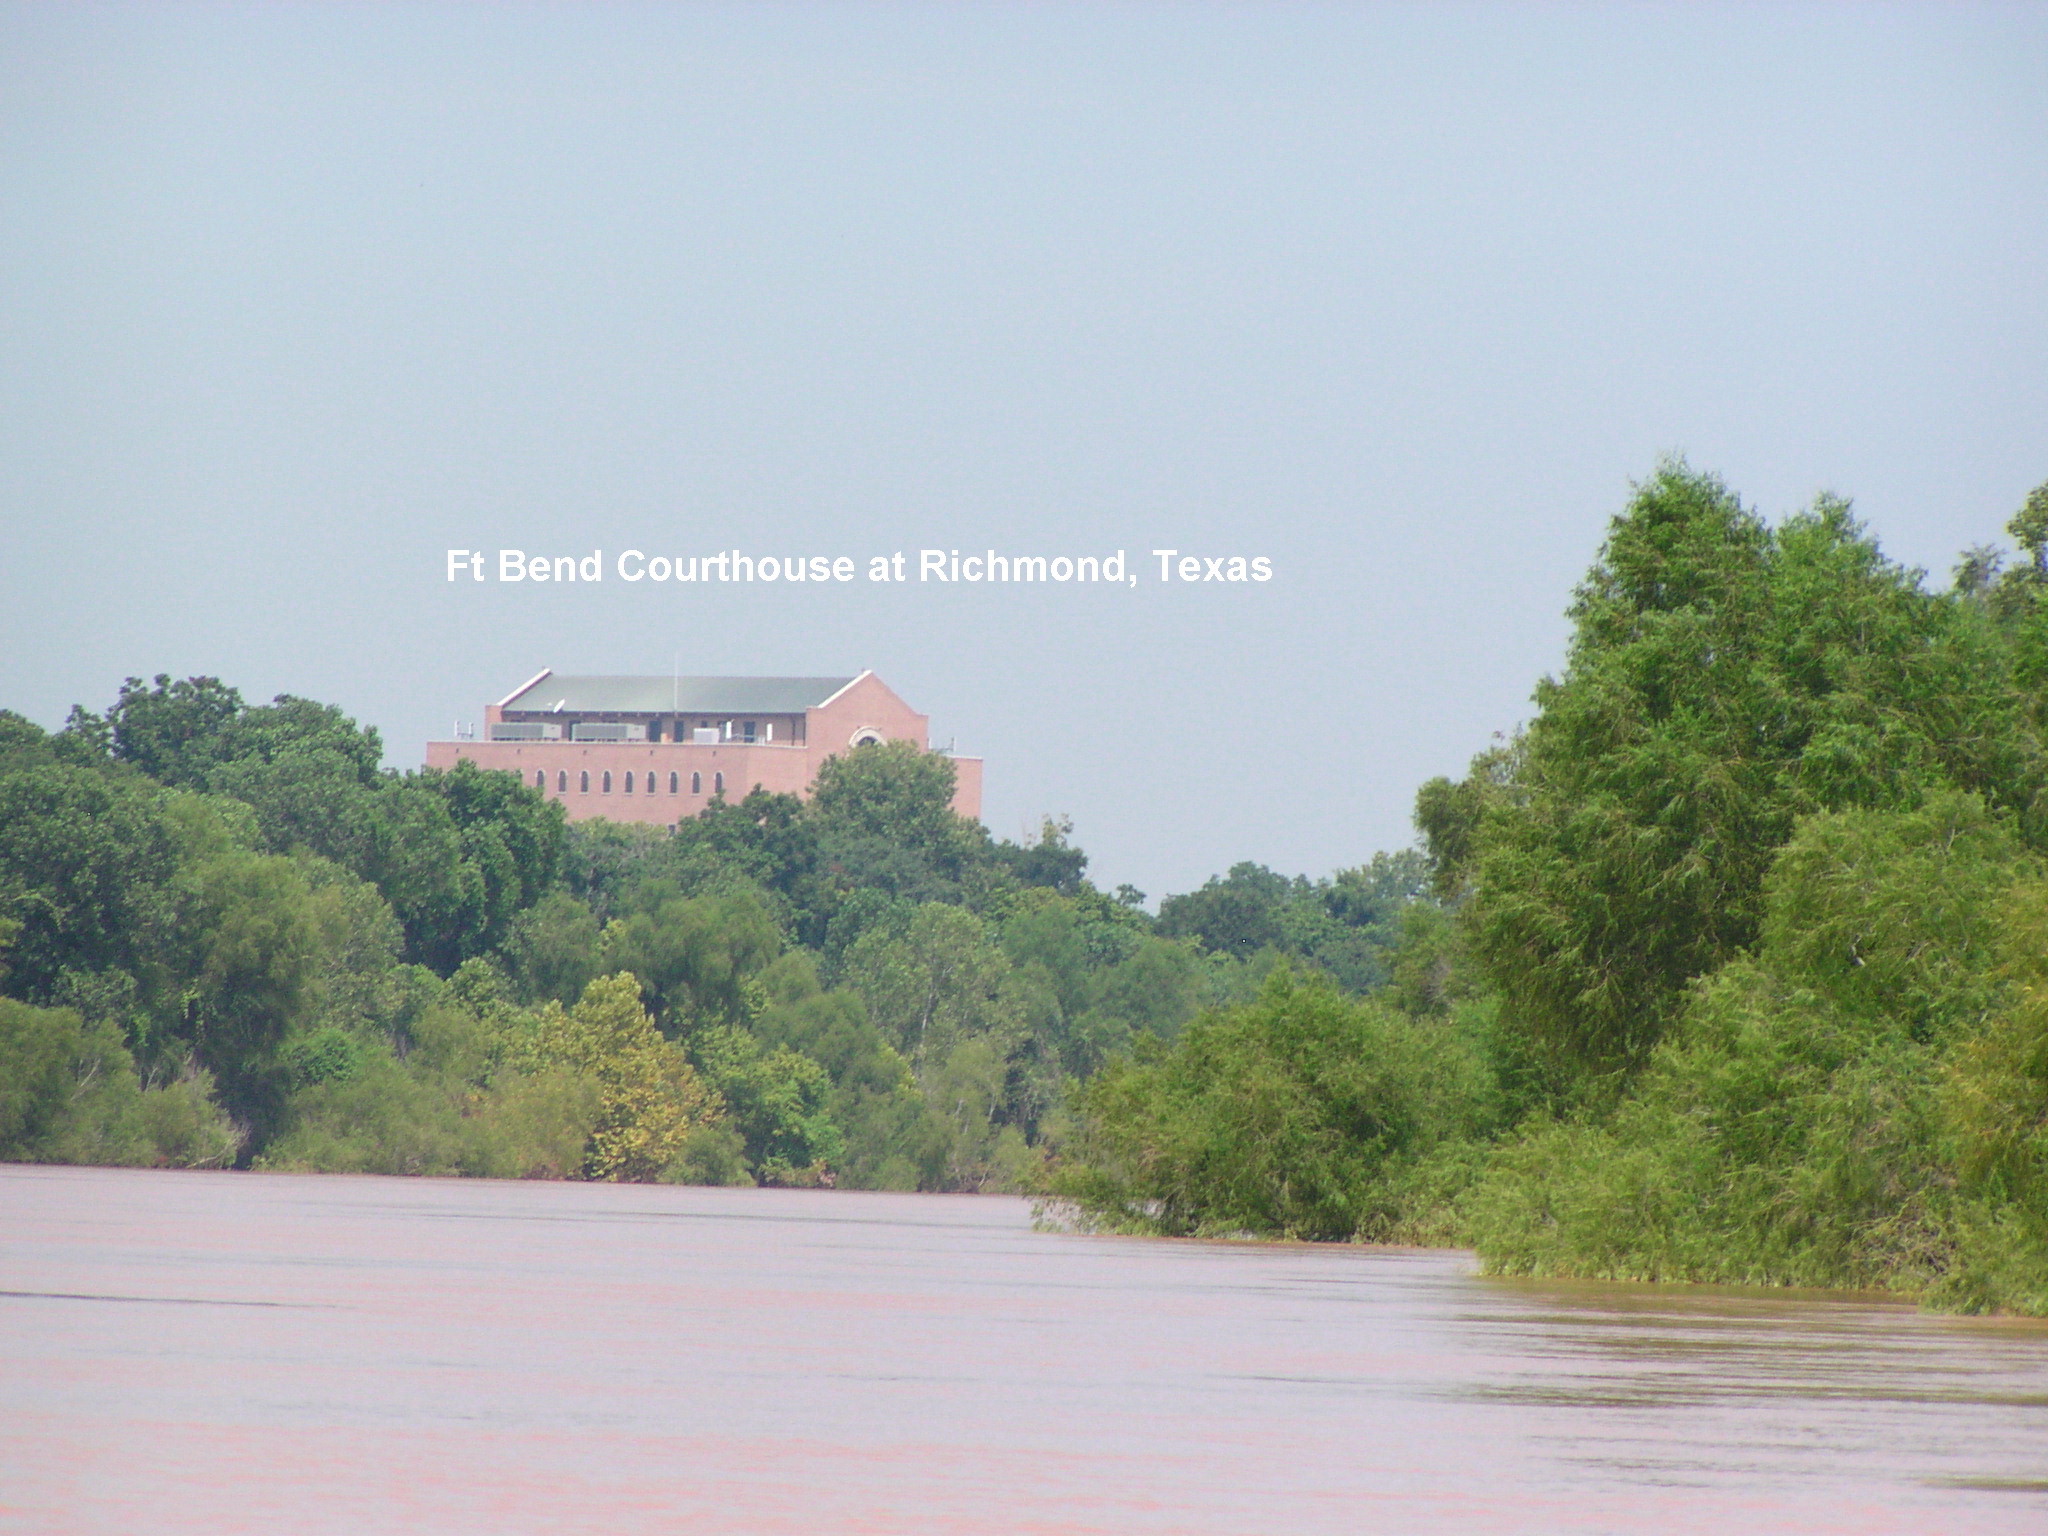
653 785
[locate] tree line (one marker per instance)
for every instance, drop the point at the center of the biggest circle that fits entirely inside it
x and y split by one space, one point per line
231 937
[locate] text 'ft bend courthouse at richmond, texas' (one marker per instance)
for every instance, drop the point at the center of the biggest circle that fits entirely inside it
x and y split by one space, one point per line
657 749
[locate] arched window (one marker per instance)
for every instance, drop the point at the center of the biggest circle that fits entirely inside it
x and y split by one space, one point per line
696 783
562 782
718 783
674 782
629 783
607 781
584 787
540 778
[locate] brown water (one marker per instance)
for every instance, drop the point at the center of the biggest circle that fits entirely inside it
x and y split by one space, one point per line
236 1352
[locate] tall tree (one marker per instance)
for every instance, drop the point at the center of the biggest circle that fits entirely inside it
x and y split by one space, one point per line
170 730
1723 680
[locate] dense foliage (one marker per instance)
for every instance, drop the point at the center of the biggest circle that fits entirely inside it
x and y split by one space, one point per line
1737 964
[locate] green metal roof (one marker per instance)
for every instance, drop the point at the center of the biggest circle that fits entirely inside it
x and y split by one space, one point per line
674 695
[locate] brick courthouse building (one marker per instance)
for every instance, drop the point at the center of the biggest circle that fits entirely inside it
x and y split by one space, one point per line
657 749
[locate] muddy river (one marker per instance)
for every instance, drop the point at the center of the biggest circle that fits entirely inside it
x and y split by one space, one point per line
206 1352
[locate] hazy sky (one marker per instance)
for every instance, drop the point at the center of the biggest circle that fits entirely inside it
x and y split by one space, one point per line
293 299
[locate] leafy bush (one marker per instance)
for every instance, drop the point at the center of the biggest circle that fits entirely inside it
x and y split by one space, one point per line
1996 1096
1797 1126
378 1119
531 1126
69 1094
1294 1116
183 1125
1775 1142
778 1100
327 1055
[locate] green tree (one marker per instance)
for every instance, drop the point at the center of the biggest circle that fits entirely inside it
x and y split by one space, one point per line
890 790
415 856
769 839
778 1099
551 950
289 727
1892 916
1052 862
1791 1128
694 955
255 953
2029 528
1995 1094
891 1139
1236 914
170 730
940 977
1154 989
1449 813
1724 679
520 826
87 860
312 801
69 1094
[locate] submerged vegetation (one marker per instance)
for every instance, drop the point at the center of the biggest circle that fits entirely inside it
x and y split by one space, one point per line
1732 965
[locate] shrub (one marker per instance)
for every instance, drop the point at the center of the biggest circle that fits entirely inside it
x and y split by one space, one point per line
183 1125
68 1092
649 1097
1294 1116
1775 1142
379 1119
534 1126
1800 1124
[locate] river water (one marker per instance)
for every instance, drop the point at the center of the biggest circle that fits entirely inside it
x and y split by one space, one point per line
215 1352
